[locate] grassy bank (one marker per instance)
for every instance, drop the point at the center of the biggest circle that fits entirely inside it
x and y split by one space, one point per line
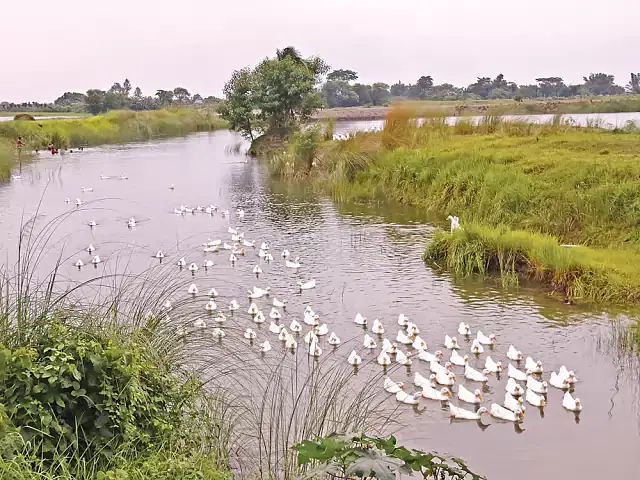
426 108
113 127
579 185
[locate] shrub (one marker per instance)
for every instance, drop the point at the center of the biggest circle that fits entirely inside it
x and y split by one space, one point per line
71 391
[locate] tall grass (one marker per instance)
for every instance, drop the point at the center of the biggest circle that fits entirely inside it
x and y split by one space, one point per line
113 127
574 272
251 409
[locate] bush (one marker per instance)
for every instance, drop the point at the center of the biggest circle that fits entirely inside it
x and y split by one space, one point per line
71 391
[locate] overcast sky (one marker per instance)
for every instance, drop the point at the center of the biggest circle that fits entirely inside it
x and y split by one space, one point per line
49 47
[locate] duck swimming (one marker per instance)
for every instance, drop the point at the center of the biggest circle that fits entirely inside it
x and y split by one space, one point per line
369 342
384 359
404 397
295 326
462 414
403 320
502 413
476 348
483 339
354 359
571 404
513 388
360 320
193 289
450 342
249 334
513 354
494 367
377 327
463 329
402 359
333 339
476 376
467 396
393 387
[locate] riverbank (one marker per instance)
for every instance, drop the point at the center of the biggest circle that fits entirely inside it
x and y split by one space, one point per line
572 185
613 104
113 127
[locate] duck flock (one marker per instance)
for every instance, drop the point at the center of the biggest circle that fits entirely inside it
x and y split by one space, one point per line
524 377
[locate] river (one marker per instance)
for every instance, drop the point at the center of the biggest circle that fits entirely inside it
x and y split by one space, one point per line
364 260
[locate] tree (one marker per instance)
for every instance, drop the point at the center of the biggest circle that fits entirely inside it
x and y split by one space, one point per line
126 87
289 52
95 101
165 97
380 93
342 76
116 88
197 98
551 86
238 106
339 93
482 87
137 93
601 84
634 85
182 94
421 88
70 98
399 89
364 93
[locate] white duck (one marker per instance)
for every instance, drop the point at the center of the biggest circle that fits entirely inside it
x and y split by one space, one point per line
92 249
483 339
295 326
314 349
448 378
275 314
431 393
262 253
570 403
275 328
536 385
307 285
403 320
218 333
419 343
354 359
259 318
78 202
96 260
310 319
268 257
465 395
79 264
265 346
131 223
559 382
193 289
402 359
430 357
535 399
360 320
369 342
570 376
403 338
393 387
283 336
474 375
210 249
264 246
213 293
513 388
494 367
249 334
457 359
463 329
412 329
455 222
279 304
247 243
532 366
502 413
200 323
211 306
435 367
285 253
512 403
182 263
404 397
384 359
294 264
233 258
377 327
321 330
233 305
310 337
462 414
220 318
333 339
420 381
193 267
257 270
516 374
476 348
253 309
450 342
291 343
207 264
513 354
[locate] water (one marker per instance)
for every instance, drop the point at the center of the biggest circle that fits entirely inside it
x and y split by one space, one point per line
605 120
364 260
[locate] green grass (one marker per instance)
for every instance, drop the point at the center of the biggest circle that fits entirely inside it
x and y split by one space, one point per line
515 255
113 127
523 186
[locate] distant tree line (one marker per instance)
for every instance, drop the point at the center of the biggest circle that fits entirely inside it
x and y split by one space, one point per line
341 89
118 97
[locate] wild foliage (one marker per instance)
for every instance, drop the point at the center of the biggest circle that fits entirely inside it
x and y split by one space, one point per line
362 456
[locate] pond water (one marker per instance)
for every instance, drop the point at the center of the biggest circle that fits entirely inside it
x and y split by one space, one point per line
364 259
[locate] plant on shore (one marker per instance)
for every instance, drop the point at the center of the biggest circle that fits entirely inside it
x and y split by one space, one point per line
575 272
362 456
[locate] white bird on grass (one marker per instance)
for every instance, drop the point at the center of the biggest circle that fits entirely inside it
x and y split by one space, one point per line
455 222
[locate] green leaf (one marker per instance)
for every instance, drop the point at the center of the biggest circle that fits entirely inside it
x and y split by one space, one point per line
374 463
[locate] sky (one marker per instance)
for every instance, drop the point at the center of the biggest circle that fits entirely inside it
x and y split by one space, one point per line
50 47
